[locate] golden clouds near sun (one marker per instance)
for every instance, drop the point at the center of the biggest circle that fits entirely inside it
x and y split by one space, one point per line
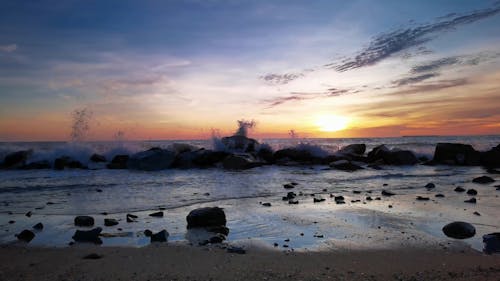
331 123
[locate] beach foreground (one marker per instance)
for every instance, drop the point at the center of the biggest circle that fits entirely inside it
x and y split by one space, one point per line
179 262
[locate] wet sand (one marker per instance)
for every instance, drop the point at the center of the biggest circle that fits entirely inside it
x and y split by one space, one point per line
180 262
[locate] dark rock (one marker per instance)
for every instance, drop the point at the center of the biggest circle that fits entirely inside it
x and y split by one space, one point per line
92 256
208 158
84 221
357 148
472 192
421 198
459 189
205 217
132 216
339 198
97 158
110 222
266 154
288 186
25 235
88 235
491 158
439 195
266 204
430 185
493 171
356 192
12 222
148 233
38 226
456 154
118 162
67 162
391 157
156 215
472 200
294 154
491 243
368 198
293 201
377 153
240 144
236 250
459 230
387 193
240 162
154 159
221 229
318 199
216 239
483 180
28 214
43 164
345 165
16 159
289 195
477 213
160 236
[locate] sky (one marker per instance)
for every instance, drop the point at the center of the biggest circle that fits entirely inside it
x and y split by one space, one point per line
183 69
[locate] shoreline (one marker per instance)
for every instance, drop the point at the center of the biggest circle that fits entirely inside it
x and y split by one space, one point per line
181 262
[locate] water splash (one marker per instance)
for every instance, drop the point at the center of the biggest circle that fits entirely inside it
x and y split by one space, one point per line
244 126
81 124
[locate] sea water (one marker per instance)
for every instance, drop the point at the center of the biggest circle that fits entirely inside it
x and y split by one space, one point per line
55 197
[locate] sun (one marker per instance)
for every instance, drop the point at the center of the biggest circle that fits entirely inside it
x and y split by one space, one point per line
331 123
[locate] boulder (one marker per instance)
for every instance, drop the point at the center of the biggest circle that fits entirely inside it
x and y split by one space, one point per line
17 159
42 164
67 162
97 158
491 243
483 180
491 158
110 222
456 154
345 165
376 153
294 154
399 157
118 162
240 162
459 230
84 221
159 236
88 235
430 185
240 144
206 217
387 193
187 159
179 148
154 159
459 189
156 214
358 149
471 192
266 153
26 235
38 226
208 158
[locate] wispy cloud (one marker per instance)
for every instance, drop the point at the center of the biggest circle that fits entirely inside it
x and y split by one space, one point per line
387 44
8 48
281 79
414 79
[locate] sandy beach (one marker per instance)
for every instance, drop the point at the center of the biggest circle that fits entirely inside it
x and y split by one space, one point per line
180 262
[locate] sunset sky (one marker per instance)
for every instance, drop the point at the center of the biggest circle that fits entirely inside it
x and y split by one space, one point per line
178 69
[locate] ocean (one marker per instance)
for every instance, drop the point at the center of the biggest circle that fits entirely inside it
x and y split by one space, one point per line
56 197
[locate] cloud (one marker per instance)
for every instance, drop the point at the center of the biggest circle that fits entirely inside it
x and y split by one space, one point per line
280 79
414 79
8 48
464 60
431 87
435 65
387 44
300 96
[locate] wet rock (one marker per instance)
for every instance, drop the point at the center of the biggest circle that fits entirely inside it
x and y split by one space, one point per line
156 214
345 165
92 256
483 180
12 222
439 195
472 192
356 192
148 233
289 195
422 198
477 213
266 154
456 154
110 222
266 204
288 186
216 239
387 193
154 159
377 153
459 230
491 243
38 226
97 158
91 236
368 198
236 250
159 236
29 214
430 185
240 162
391 157
42 164
240 143
294 154
67 162
25 235
221 229
318 199
84 221
357 148
459 189
209 158
491 158
205 217
472 200
132 216
16 159
293 201
118 162
493 171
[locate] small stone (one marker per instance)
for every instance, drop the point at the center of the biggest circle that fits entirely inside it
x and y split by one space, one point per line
459 189
236 250
148 233
477 213
160 236
368 198
38 226
421 198
132 216
430 185
459 230
439 195
267 204
483 180
288 186
318 199
293 201
472 200
387 193
472 192
110 222
28 214
356 191
12 222
26 235
88 236
156 215
92 256
84 221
